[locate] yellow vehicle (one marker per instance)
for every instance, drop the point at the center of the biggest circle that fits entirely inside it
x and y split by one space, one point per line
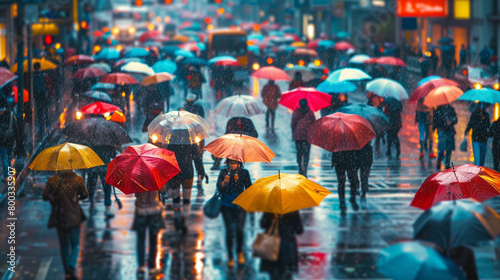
233 43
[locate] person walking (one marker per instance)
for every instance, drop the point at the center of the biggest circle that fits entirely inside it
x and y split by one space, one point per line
232 181
444 121
194 108
148 215
302 118
479 122
9 135
287 264
271 95
377 102
195 80
185 154
41 90
364 158
463 55
106 154
296 82
346 162
495 145
393 112
423 120
63 190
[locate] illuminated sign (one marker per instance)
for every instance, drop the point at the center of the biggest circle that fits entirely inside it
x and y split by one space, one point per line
422 8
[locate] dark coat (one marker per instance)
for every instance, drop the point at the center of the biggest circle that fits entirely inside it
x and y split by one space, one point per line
495 133
301 120
63 190
345 159
194 108
186 155
233 188
5 119
289 225
443 115
479 125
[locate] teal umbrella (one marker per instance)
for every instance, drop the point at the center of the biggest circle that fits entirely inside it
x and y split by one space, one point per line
107 54
222 57
379 121
348 74
336 87
136 52
165 66
343 34
486 95
425 80
184 53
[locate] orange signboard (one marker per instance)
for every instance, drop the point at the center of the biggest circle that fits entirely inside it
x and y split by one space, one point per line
422 8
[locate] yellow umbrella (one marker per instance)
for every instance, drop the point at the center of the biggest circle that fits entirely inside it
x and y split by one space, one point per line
66 156
281 194
45 65
298 44
181 38
157 78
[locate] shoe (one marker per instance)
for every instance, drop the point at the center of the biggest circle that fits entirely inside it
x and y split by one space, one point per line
92 211
241 258
343 210
432 155
109 214
421 156
354 204
230 263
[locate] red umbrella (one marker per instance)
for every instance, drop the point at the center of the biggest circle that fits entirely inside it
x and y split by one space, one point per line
341 132
389 60
465 181
316 100
118 78
371 60
142 168
192 47
425 88
306 52
271 73
97 33
161 39
6 76
227 63
313 44
99 108
79 60
150 34
292 36
88 73
343 46
26 94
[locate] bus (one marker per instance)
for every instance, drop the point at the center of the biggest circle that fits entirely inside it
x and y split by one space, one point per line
233 43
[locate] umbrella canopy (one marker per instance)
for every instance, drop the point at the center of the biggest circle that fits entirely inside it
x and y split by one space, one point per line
389 60
6 76
358 59
306 73
423 89
138 67
425 80
67 156
343 46
118 79
271 73
348 74
306 52
79 60
97 132
451 224
341 132
227 63
178 127
99 108
220 58
343 34
165 66
378 120
156 79
98 95
142 168
44 65
124 61
326 44
314 44
465 181
150 34
442 95
170 50
103 87
103 66
316 100
239 106
336 87
486 95
184 53
195 61
136 52
242 148
387 88
116 116
415 261
107 54
88 73
281 194
150 44
181 38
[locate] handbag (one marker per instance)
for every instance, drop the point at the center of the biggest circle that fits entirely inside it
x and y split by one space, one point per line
267 245
463 145
211 209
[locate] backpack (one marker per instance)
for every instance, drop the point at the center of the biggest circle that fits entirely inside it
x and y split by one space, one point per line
194 81
7 133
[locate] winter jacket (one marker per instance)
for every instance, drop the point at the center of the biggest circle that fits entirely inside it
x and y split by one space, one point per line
63 190
271 95
301 120
187 154
443 115
495 133
234 188
8 137
479 125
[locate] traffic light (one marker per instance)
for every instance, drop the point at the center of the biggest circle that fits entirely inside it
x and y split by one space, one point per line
48 40
214 1
138 3
168 2
84 25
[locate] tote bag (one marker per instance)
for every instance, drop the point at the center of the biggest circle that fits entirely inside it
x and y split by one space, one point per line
211 209
267 245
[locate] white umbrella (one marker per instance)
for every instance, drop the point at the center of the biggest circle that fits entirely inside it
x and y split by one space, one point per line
240 106
348 74
359 59
138 68
178 127
387 88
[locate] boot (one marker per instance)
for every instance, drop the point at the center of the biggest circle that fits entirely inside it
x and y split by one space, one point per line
354 204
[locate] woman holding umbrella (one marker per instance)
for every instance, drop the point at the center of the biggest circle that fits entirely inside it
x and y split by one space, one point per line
231 183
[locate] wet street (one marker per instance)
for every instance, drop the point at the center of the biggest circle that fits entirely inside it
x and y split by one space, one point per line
331 247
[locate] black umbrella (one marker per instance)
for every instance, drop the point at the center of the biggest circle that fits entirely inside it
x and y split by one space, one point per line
378 120
96 131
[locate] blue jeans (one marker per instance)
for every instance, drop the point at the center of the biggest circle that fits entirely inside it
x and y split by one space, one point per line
479 149
99 171
423 131
6 154
446 144
69 241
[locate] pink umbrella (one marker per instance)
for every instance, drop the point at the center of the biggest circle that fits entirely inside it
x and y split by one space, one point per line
316 100
271 73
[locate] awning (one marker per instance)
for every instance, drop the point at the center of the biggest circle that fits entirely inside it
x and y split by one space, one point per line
44 29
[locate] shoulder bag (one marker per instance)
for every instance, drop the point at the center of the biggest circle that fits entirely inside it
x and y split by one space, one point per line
267 245
211 209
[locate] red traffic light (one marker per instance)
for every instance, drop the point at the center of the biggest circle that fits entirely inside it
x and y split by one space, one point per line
218 1
138 3
48 40
208 20
168 2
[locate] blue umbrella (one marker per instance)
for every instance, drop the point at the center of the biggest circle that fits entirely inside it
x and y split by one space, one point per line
98 95
256 37
222 57
415 261
170 50
486 95
136 52
326 43
103 87
165 66
379 121
343 34
254 49
107 54
451 224
425 80
336 87
184 53
194 61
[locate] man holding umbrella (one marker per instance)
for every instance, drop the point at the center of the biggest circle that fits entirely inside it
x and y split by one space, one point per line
302 118
444 121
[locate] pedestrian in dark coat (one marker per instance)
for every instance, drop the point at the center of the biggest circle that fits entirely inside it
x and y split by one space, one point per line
232 181
364 158
271 95
63 190
444 121
194 108
393 112
346 162
106 154
479 122
302 118
289 225
9 137
495 145
185 154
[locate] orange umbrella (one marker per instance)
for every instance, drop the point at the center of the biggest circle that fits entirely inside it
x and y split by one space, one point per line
442 95
240 147
157 78
116 116
26 94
